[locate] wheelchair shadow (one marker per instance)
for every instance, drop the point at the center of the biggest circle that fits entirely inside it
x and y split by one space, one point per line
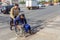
36 29
36 26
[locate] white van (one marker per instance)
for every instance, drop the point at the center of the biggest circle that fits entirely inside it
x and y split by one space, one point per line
30 4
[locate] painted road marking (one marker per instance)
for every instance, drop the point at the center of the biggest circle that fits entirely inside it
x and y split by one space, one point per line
13 38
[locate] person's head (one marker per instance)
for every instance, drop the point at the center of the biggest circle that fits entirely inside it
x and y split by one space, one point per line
22 16
16 6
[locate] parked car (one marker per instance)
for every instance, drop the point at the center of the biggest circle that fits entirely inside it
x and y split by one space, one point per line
51 4
0 6
6 9
41 5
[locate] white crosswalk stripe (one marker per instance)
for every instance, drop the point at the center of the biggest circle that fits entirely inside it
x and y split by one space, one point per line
13 38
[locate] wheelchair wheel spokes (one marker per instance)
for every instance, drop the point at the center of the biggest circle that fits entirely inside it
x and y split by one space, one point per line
17 31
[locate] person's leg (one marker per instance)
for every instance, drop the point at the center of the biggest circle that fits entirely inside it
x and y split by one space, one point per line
21 30
16 29
11 22
16 26
30 32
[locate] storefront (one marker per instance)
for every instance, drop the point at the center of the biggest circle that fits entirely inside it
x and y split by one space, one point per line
53 1
56 1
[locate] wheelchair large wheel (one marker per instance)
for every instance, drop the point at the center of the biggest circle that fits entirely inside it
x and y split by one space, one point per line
20 32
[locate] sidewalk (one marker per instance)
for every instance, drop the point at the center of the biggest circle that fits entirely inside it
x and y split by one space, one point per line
50 32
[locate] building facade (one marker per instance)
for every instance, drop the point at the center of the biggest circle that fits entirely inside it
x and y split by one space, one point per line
10 1
17 1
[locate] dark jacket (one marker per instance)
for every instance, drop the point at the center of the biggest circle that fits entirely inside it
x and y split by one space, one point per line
19 20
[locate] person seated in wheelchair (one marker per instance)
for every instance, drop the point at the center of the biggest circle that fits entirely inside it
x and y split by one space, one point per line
21 21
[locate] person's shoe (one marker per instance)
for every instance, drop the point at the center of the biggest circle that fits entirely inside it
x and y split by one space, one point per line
11 28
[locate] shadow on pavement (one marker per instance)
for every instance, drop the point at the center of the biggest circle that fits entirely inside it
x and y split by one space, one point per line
37 8
36 26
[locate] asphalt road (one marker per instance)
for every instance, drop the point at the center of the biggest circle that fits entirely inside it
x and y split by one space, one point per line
36 16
